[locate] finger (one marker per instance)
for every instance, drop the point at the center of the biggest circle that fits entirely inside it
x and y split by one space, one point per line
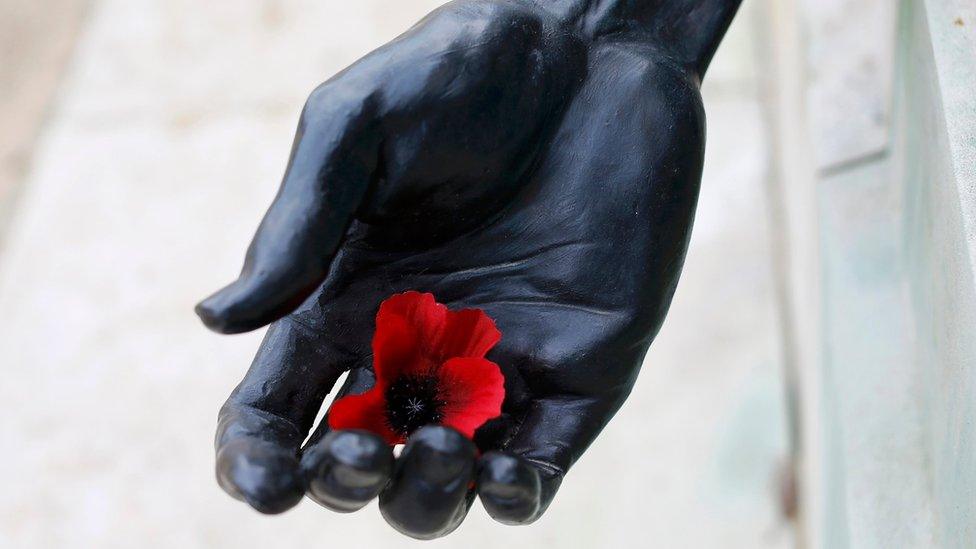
510 488
517 486
331 165
347 469
262 474
264 421
429 493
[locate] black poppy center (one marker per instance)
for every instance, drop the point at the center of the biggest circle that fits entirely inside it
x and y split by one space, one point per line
412 402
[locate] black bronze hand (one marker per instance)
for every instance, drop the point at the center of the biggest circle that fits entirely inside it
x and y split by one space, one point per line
539 160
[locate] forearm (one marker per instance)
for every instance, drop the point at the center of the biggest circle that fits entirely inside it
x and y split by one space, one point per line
692 29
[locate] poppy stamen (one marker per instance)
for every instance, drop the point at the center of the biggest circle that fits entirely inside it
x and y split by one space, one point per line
413 401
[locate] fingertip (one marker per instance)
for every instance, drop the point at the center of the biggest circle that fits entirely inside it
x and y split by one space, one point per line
429 493
216 312
243 306
510 488
439 454
264 476
347 469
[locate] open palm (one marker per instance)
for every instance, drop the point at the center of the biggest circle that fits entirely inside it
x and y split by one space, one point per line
528 161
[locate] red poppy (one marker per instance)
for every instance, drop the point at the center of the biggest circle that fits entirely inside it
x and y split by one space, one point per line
430 369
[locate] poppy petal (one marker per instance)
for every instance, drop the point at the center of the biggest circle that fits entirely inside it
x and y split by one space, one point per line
468 333
365 411
408 327
473 390
396 348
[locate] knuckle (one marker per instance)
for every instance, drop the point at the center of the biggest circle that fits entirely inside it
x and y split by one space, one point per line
440 439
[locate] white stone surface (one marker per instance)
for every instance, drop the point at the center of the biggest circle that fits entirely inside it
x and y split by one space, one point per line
897 241
166 146
874 411
849 46
936 157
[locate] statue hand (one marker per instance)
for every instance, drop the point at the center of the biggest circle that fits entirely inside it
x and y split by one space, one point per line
500 159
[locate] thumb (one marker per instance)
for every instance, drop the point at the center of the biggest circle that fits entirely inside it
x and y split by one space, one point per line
331 165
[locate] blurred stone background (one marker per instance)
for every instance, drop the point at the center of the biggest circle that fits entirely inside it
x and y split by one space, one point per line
142 140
